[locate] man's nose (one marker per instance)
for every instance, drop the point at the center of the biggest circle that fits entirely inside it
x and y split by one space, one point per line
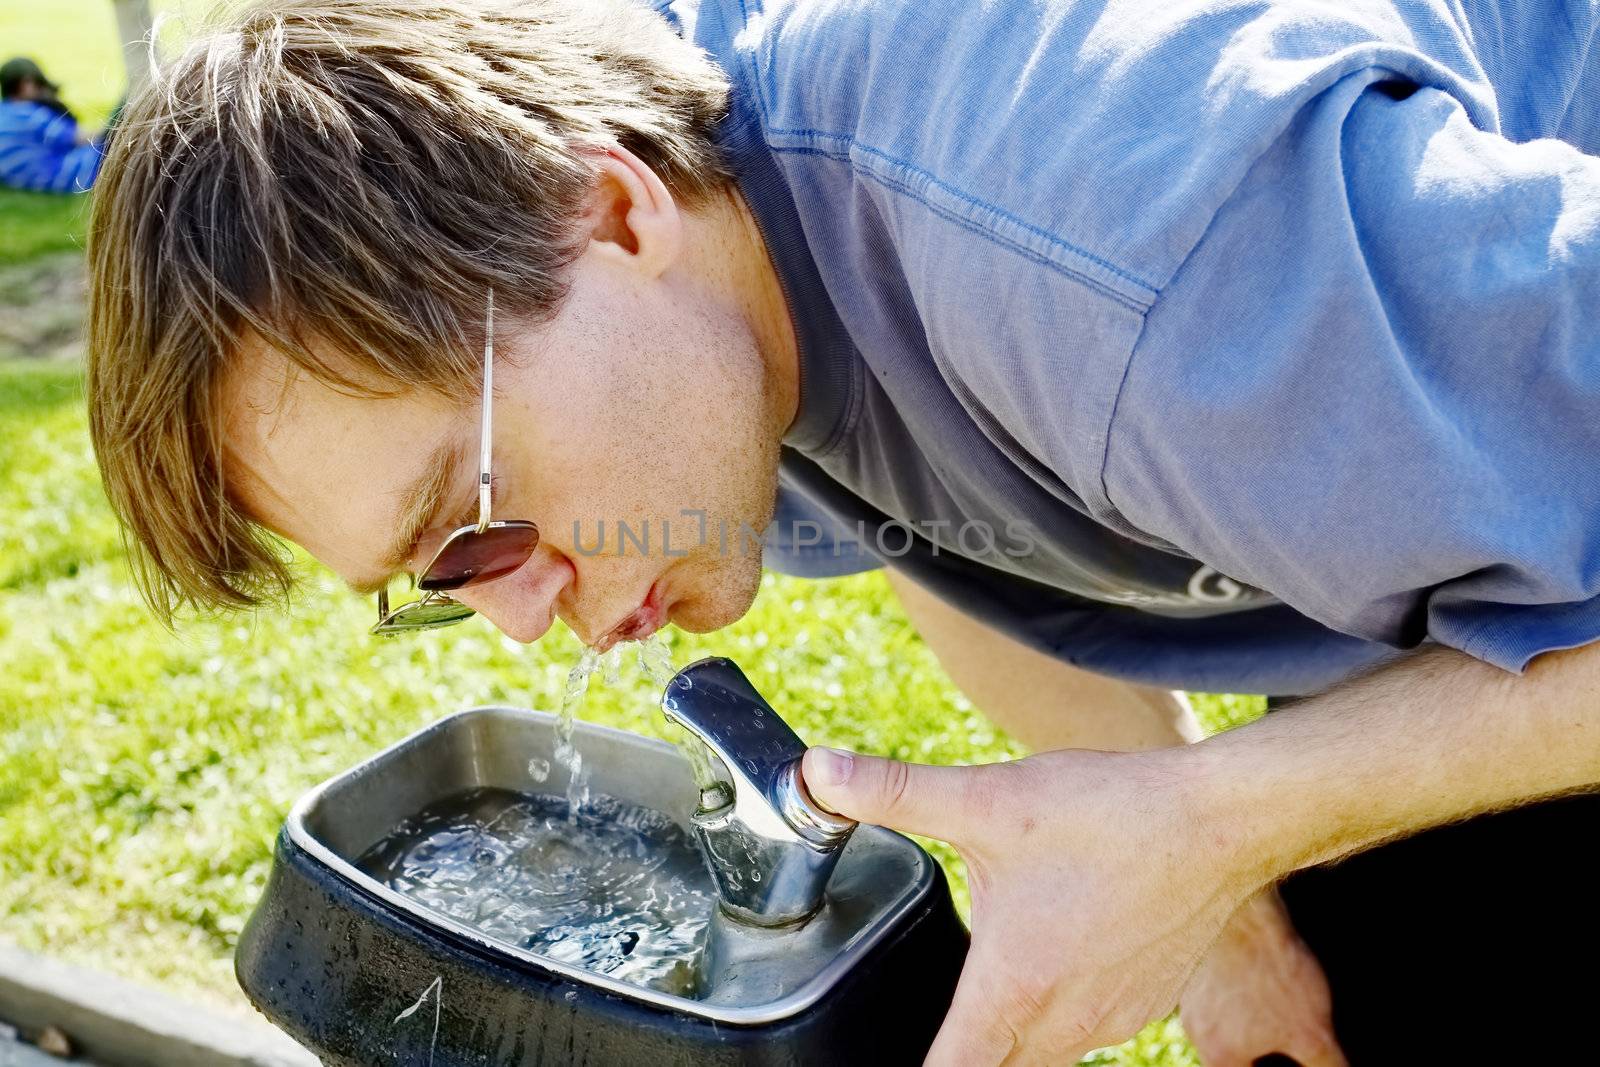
522 605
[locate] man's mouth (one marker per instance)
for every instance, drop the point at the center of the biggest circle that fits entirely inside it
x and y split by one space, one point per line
645 620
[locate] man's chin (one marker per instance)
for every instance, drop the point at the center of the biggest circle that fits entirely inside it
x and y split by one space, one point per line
699 617
734 594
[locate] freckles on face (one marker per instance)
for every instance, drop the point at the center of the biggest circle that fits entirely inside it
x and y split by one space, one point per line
322 468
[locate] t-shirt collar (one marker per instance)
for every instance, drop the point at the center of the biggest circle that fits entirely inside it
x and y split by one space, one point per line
826 354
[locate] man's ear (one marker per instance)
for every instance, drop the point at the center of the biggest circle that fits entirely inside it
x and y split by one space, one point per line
632 217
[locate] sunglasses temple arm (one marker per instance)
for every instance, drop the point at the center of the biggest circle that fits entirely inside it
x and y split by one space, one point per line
484 482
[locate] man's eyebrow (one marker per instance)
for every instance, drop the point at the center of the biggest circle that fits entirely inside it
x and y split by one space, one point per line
419 509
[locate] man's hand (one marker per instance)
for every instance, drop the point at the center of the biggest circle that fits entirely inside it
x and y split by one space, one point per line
1259 991
1099 879
1097 883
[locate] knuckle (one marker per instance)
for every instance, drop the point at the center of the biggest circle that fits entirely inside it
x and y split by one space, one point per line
1022 1001
1078 1033
997 794
1095 1023
981 791
894 786
1005 1030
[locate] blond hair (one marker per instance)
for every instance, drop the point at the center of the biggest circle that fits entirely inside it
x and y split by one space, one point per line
360 172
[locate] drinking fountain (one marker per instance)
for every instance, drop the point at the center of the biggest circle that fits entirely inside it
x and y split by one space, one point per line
769 845
828 943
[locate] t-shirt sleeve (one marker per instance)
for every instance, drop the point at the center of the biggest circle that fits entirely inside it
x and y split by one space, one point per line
805 541
1373 389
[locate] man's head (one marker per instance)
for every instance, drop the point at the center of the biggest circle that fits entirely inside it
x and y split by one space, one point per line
295 235
21 79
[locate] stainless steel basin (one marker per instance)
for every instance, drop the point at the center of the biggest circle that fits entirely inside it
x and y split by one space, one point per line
749 976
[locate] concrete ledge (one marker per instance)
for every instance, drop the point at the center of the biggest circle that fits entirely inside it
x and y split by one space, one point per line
116 1023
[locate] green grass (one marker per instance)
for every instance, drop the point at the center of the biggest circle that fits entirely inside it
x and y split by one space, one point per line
143 775
36 224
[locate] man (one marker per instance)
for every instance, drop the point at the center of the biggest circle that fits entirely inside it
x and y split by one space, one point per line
41 147
1241 347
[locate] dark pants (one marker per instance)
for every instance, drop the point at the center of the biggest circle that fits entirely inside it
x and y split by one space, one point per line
1472 943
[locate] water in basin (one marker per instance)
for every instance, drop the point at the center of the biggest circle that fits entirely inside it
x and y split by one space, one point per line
616 889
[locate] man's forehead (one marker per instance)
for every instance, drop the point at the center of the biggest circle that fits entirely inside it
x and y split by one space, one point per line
280 422
266 396
322 466
262 384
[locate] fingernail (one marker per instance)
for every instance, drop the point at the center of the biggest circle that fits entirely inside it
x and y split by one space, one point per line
829 766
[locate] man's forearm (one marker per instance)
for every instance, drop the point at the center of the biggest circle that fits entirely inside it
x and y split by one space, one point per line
1041 701
1426 741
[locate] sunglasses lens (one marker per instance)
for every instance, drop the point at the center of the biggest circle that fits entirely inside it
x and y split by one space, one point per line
473 557
423 615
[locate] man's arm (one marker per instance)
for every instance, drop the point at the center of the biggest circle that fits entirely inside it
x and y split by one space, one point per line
1259 988
1042 702
1367 390
1100 879
1436 738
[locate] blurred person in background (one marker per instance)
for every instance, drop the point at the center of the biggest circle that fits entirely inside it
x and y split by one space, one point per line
42 147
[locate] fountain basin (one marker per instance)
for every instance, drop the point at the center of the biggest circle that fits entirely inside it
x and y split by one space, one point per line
336 958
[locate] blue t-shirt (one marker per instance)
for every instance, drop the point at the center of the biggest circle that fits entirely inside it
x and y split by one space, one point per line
1220 345
39 150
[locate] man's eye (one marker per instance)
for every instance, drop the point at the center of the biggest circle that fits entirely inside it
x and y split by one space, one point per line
469 514
426 545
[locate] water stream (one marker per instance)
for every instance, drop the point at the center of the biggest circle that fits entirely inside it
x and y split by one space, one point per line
655 663
566 751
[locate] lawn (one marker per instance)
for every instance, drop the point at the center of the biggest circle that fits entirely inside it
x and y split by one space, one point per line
36 224
143 775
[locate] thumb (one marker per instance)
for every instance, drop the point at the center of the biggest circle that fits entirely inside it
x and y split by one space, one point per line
904 796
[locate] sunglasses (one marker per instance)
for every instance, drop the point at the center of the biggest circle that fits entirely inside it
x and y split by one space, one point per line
471 555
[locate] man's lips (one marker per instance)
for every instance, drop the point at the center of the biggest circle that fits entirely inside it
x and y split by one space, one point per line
644 620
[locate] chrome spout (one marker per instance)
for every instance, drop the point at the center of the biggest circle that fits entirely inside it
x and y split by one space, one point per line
771 848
